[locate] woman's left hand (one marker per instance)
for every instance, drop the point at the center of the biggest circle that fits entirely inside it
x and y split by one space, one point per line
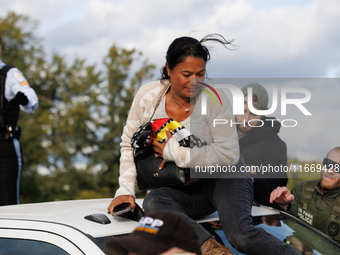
159 147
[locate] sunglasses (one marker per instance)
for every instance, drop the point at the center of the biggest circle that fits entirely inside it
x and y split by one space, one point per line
331 164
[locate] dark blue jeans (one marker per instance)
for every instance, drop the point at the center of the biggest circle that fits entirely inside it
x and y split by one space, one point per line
232 198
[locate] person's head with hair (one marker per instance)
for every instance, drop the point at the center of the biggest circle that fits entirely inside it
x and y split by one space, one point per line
259 100
186 46
186 60
159 232
330 176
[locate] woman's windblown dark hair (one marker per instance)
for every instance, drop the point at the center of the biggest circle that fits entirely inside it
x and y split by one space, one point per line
185 46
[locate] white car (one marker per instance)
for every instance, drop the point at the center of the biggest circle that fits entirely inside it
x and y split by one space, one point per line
58 227
61 228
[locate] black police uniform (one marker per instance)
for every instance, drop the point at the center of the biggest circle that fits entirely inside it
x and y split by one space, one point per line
15 93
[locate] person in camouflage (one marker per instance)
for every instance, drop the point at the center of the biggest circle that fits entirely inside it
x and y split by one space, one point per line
316 202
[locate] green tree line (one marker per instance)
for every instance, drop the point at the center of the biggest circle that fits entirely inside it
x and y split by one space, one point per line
80 118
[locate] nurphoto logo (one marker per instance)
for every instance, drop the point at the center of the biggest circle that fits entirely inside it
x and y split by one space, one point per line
212 89
238 102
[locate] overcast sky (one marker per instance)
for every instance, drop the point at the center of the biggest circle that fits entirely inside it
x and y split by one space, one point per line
281 38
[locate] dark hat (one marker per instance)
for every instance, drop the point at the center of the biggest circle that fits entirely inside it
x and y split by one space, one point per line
260 92
156 233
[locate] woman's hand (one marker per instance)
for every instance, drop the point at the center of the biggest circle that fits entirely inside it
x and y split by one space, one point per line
122 199
159 147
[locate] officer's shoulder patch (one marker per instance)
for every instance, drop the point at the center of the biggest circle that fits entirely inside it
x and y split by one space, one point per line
20 78
23 83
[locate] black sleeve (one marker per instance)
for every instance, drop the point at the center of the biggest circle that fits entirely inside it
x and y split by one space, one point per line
274 153
263 188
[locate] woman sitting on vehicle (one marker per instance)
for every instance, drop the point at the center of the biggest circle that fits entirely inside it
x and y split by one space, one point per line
232 197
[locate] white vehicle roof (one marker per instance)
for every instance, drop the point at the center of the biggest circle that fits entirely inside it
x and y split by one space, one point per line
72 213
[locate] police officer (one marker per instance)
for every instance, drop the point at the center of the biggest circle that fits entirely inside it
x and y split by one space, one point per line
15 93
316 202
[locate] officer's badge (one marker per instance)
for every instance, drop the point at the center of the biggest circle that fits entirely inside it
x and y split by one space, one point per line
333 229
19 76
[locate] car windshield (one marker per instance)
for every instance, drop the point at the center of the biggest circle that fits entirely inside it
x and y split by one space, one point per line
305 239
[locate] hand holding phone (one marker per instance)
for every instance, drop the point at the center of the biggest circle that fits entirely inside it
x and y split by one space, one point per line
120 200
122 208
